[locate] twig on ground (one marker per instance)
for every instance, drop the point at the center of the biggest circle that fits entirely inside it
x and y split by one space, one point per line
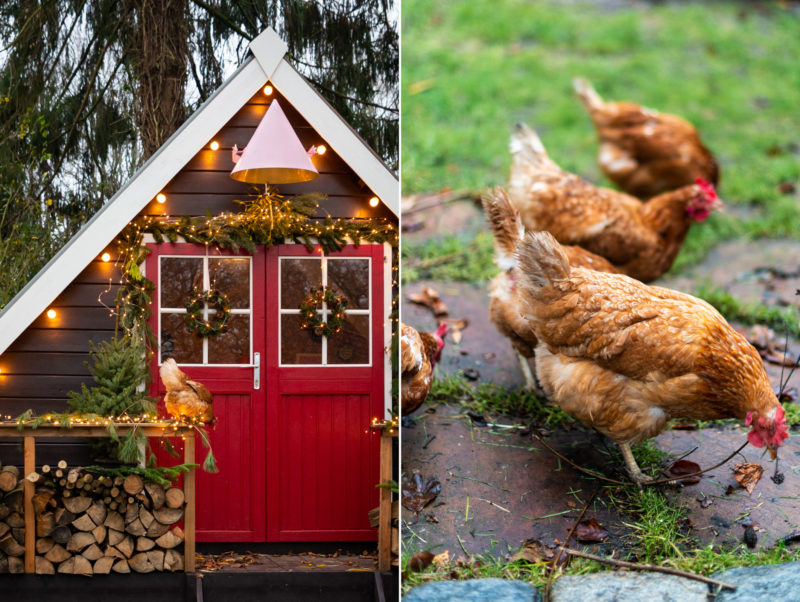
699 472
647 567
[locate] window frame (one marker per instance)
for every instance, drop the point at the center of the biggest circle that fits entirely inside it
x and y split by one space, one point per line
206 312
356 312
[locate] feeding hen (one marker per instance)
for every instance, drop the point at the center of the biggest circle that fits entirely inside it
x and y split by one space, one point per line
643 151
185 397
504 300
625 358
639 239
419 353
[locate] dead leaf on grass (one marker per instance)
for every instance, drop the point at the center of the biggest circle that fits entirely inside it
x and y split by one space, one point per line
442 559
430 299
769 346
705 501
534 551
684 467
419 492
590 531
420 561
748 474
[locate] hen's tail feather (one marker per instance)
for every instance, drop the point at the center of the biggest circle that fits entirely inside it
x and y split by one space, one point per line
506 226
542 261
588 95
526 144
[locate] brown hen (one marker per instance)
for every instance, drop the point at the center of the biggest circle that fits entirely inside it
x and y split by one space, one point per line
185 397
504 301
624 357
643 151
639 239
419 353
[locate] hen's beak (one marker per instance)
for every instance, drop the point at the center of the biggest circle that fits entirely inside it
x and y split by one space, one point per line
773 451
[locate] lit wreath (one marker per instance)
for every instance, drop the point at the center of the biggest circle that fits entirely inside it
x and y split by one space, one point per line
194 312
311 320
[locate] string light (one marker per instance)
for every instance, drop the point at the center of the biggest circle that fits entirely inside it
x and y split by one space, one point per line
106 257
373 202
215 145
268 90
321 149
161 198
51 313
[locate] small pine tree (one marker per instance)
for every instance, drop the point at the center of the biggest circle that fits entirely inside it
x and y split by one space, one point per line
119 369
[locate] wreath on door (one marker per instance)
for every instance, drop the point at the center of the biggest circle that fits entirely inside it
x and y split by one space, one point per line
311 320
216 323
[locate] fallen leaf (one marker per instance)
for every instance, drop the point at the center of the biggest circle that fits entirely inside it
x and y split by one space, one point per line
472 374
787 188
750 537
420 561
590 531
430 299
534 551
684 426
442 559
788 395
748 474
455 327
684 467
705 501
477 419
419 492
420 86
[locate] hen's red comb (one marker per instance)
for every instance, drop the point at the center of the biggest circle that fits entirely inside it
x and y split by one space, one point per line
707 188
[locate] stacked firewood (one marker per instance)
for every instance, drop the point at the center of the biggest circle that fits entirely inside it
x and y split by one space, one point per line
90 524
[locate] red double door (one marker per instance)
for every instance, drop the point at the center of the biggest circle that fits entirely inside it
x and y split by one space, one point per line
296 456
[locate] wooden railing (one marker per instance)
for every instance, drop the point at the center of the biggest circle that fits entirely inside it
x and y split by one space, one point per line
30 435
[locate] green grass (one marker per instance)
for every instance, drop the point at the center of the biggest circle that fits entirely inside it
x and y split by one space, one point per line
470 70
449 258
781 319
493 400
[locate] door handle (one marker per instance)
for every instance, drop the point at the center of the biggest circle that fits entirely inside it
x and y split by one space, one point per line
256 370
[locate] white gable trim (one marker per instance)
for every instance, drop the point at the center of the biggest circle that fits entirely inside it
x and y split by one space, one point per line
176 152
330 125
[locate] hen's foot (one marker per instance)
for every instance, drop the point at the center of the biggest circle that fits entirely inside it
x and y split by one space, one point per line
636 474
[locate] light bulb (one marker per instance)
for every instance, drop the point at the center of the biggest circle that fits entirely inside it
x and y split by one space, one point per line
373 202
215 145
51 313
161 197
321 149
268 90
105 257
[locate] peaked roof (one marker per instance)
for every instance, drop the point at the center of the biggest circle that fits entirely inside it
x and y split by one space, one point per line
267 63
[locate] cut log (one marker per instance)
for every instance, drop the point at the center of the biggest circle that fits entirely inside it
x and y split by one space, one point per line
157 529
126 546
15 519
141 564
88 477
114 520
77 504
133 484
42 499
42 566
44 545
16 565
99 533
62 464
97 512
77 565
4 511
168 516
114 537
173 561
79 541
3 564
10 546
63 516
61 534
73 475
174 497
57 554
132 514
102 566
156 558
14 501
84 523
146 518
9 478
121 566
19 534
45 524
169 540
143 544
4 528
93 552
135 528
156 493
113 552
46 469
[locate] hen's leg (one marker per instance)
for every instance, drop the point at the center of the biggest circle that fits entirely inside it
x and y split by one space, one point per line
633 468
530 382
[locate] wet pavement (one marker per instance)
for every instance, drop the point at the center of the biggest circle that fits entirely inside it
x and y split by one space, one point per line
500 489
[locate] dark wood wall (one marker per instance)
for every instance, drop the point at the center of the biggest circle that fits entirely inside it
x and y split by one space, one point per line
48 359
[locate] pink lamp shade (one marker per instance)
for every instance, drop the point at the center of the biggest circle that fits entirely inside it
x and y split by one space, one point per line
274 154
